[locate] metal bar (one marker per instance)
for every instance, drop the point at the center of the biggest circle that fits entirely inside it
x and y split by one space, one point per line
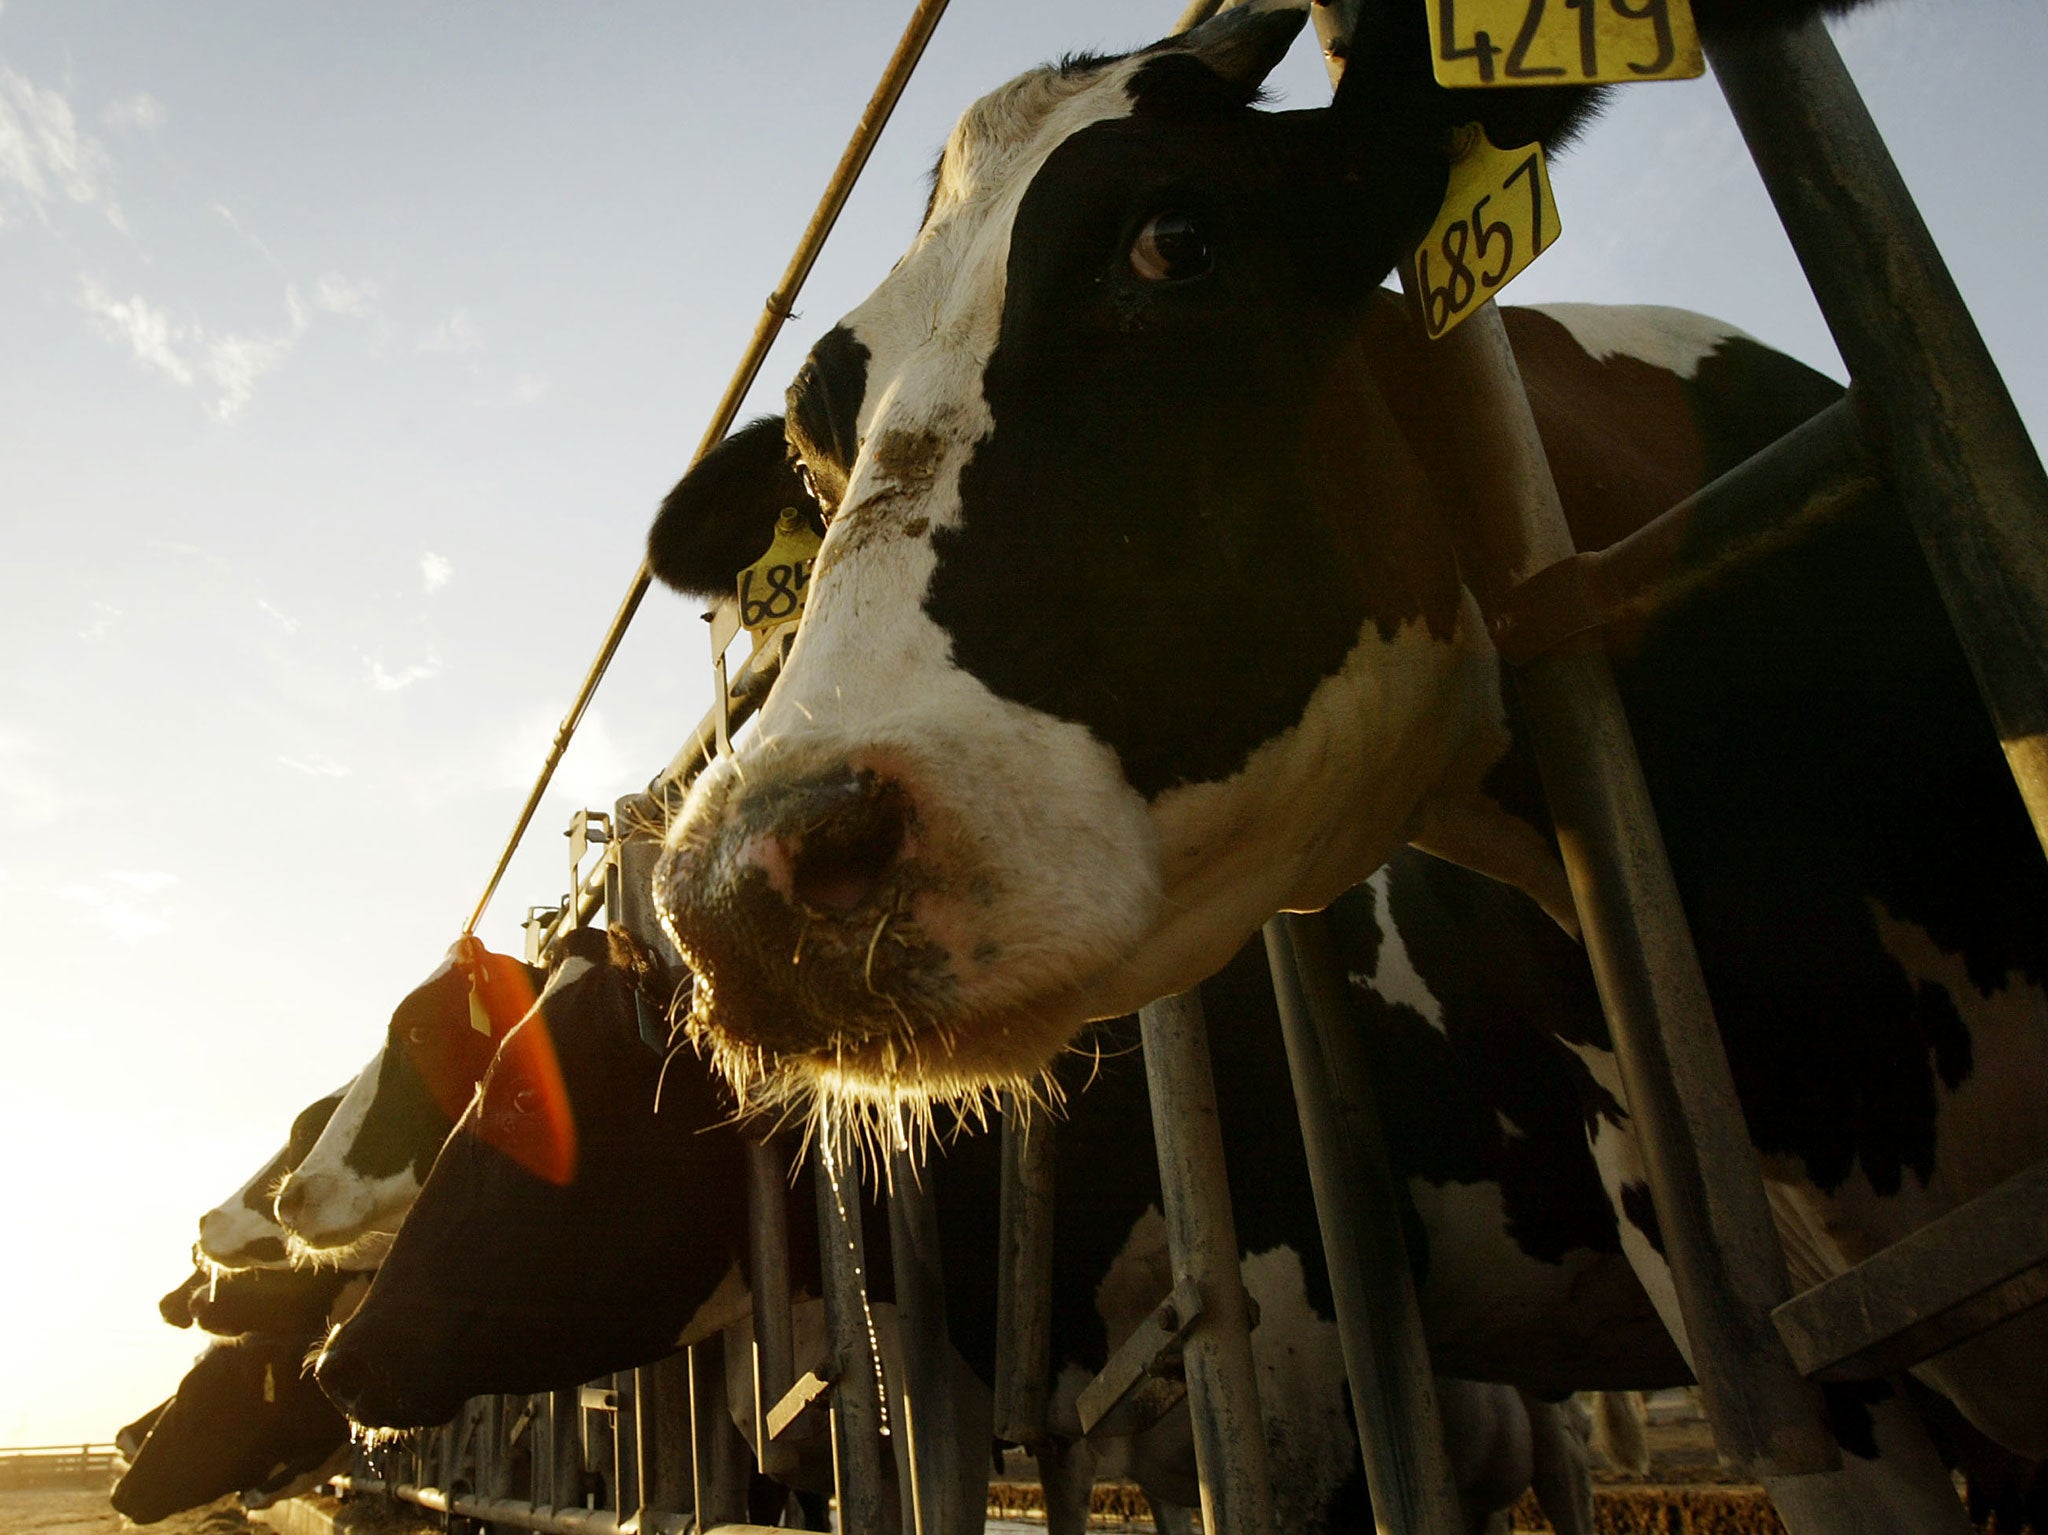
1803 482
565 1440
1142 1380
768 1278
626 1444
1967 475
1223 1392
1717 1229
1024 1275
925 1397
667 1456
1359 1208
777 310
858 1416
1955 1277
516 1514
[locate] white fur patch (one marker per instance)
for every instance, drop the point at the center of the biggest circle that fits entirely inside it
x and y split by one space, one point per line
340 1203
1396 980
1676 340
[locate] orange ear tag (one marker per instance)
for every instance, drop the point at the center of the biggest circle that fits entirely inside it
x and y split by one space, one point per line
270 1383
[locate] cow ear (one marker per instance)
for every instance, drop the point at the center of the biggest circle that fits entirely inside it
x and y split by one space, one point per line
1244 44
1397 125
720 518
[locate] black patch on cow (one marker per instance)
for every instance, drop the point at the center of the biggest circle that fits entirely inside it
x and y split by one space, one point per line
1641 1211
1127 470
1498 1056
720 517
1814 746
823 424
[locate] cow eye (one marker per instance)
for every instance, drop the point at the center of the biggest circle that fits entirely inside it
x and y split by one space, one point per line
1172 247
526 1100
419 1033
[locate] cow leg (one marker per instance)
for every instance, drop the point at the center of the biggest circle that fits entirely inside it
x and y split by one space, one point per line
1066 1474
1170 1518
1560 1469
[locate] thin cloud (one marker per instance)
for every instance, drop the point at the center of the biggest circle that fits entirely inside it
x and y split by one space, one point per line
104 616
285 621
142 881
343 295
392 682
28 795
436 570
185 352
457 333
130 919
139 112
43 155
316 766
255 243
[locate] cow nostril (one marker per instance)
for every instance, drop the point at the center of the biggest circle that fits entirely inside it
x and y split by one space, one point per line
840 861
291 1201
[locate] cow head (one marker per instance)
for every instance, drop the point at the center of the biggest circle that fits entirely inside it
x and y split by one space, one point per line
368 1163
247 1416
242 1231
503 1281
1136 619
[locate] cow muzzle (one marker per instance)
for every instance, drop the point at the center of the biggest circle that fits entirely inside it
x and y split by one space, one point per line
796 904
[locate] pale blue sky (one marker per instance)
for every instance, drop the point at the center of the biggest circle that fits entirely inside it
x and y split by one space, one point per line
344 351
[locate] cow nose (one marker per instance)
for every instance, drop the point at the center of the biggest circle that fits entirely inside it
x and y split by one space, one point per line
834 844
291 1201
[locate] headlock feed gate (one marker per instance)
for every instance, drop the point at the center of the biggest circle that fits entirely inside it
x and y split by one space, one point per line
1926 413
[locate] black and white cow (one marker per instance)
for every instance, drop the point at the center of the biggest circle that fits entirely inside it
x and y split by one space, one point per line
248 1419
1140 616
352 1187
242 1230
227 1302
501 1282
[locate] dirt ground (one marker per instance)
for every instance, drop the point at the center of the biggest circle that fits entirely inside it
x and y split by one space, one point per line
40 1511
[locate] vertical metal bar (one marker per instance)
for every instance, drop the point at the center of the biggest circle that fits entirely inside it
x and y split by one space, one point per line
1223 1392
924 1398
1024 1275
1358 1206
858 1406
768 1277
1968 477
699 1412
1717 1229
564 1471
626 1445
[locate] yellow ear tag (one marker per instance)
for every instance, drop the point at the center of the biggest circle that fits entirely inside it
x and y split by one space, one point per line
479 1016
1562 42
772 589
1497 217
270 1383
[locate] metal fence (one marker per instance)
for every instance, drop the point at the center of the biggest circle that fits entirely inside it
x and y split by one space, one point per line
1928 413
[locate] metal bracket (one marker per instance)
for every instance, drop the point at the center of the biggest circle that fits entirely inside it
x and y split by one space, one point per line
809 1387
1954 1278
1143 1377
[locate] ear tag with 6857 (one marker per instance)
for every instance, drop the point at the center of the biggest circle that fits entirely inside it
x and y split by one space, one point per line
772 589
1496 218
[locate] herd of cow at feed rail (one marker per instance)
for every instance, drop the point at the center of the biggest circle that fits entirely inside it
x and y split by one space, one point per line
1138 617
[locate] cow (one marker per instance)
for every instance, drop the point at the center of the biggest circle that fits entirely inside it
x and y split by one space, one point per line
226 1302
351 1189
1522 1273
248 1419
242 1231
1140 616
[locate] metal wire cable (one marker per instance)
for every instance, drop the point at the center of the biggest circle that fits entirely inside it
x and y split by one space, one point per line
775 313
